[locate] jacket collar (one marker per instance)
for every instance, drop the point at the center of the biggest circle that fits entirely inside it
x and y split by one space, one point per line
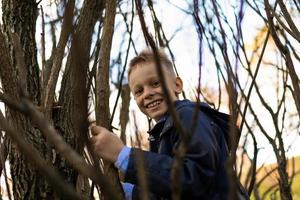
164 124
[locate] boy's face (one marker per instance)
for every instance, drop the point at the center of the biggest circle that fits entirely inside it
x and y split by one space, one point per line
146 88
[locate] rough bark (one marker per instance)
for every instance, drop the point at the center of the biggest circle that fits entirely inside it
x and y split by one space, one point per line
71 117
19 18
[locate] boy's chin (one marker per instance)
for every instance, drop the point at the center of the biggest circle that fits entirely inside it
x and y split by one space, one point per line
157 116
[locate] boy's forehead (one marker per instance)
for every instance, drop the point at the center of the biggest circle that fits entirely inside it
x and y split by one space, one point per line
151 65
147 71
142 71
149 68
145 65
142 68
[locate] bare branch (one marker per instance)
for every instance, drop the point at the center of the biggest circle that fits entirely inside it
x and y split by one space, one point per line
50 83
62 147
102 86
34 157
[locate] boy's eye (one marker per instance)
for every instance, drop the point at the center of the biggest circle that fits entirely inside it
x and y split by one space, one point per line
156 83
138 92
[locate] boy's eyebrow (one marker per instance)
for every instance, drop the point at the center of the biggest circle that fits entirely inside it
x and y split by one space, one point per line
136 86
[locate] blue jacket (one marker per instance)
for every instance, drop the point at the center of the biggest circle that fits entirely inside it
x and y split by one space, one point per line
203 173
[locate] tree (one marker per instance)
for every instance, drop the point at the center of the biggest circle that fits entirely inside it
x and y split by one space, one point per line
68 114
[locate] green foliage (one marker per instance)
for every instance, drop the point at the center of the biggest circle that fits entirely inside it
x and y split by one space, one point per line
272 181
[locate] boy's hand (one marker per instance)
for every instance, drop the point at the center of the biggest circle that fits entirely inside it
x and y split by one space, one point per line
106 144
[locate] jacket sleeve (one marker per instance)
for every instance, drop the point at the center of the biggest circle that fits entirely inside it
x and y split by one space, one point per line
199 164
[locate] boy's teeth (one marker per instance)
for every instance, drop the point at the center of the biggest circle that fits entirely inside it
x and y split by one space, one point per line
153 104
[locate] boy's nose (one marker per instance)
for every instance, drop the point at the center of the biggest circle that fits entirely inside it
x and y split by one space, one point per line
148 93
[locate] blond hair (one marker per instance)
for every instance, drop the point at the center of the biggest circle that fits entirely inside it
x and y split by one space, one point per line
147 56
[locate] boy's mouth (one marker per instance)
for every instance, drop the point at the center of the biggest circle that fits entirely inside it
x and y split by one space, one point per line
153 104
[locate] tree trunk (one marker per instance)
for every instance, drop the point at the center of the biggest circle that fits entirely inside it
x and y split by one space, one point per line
71 118
19 18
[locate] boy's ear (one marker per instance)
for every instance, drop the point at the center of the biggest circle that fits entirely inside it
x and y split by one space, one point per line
178 85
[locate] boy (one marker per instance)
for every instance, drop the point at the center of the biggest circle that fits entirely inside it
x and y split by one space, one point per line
203 174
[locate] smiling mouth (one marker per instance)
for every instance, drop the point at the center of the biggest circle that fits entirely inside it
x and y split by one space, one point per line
153 104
